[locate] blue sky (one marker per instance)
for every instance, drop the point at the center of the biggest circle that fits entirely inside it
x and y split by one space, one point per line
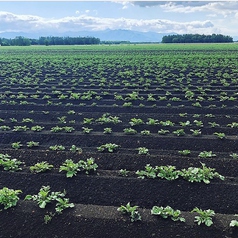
203 17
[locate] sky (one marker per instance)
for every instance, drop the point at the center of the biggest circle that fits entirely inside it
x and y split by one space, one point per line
181 17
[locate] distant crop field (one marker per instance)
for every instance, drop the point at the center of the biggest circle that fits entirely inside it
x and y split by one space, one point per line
138 140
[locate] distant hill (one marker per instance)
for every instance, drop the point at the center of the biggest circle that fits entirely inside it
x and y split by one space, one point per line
106 35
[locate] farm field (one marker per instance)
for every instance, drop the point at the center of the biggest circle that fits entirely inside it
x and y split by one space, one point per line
119 141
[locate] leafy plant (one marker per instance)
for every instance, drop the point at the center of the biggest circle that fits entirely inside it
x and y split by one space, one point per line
129 210
167 212
86 130
145 132
123 172
204 174
206 154
41 167
234 155
163 132
45 196
16 145
136 122
20 128
57 147
179 132
143 151
31 144
152 122
9 164
233 223
168 172
129 131
186 123
220 135
149 172
196 132
37 128
166 123
9 197
184 152
56 129
75 149
204 216
107 130
70 168
88 165
5 128
213 124
110 147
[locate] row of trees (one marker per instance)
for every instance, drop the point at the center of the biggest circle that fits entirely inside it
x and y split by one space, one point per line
49 40
196 38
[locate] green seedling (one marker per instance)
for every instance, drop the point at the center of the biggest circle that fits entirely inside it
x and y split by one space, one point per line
129 210
9 197
204 216
109 147
41 167
166 212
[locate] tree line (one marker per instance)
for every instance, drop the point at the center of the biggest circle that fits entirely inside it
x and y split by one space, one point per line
196 38
49 40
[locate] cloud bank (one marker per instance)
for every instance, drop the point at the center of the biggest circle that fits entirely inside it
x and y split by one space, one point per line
30 23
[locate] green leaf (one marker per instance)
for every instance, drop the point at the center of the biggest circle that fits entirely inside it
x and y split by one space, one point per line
42 204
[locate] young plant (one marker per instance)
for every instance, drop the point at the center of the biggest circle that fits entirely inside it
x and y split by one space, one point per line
152 122
184 152
136 122
86 130
204 216
143 151
109 147
220 135
68 129
31 144
206 154
179 132
107 130
166 123
37 128
168 172
163 132
56 129
9 197
20 128
16 145
132 211
167 212
88 165
70 168
57 147
5 128
149 172
123 172
129 131
213 124
41 167
196 132
233 223
45 196
76 149
204 174
234 155
145 132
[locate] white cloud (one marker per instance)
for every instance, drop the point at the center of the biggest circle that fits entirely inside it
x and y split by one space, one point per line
224 8
29 23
